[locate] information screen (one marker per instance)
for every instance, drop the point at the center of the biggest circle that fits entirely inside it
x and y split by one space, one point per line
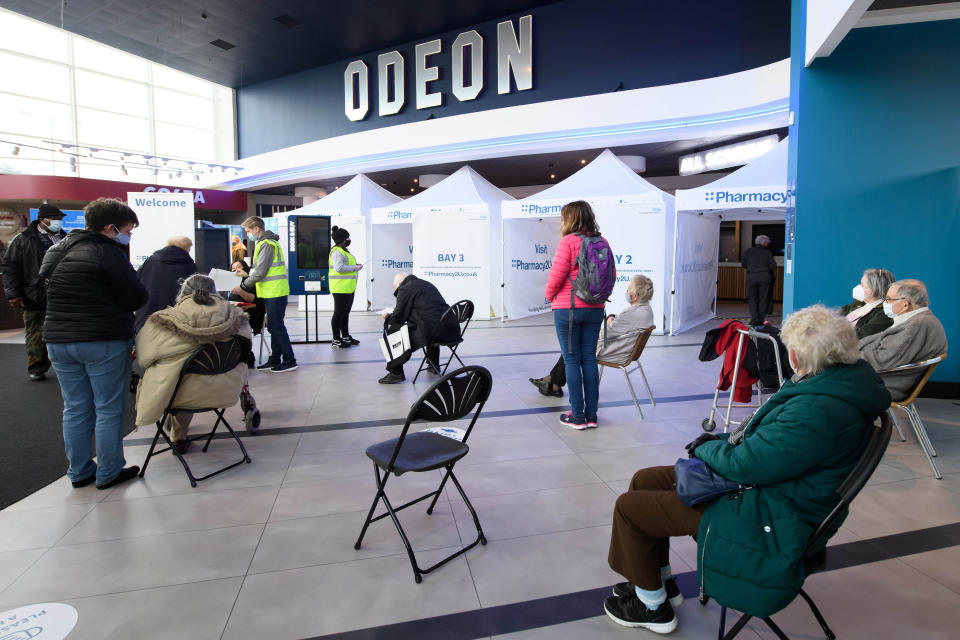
313 242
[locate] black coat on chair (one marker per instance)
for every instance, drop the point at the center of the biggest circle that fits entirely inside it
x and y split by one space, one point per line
420 305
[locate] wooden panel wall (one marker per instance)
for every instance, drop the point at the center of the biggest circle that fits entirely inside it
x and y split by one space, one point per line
732 284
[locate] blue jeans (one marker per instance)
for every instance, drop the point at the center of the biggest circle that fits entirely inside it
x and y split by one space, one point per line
583 376
280 348
94 382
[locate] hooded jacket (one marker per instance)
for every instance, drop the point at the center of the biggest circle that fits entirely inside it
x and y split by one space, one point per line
21 266
796 451
161 274
92 290
168 338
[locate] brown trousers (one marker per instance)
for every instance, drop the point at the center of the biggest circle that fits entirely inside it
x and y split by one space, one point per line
643 520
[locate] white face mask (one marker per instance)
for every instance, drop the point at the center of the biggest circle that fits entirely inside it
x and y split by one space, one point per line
627 296
888 309
858 293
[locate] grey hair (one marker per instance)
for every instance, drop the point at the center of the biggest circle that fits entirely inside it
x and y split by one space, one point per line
879 280
820 338
914 291
762 239
399 278
642 287
200 287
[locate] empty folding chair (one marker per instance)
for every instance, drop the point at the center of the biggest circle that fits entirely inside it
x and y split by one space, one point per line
463 312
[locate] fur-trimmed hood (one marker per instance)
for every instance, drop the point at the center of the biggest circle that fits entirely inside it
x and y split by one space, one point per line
201 323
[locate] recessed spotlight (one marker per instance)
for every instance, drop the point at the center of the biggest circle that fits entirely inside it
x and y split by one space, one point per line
412 190
416 179
583 161
553 176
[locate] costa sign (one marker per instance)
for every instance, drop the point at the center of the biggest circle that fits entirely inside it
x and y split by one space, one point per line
514 60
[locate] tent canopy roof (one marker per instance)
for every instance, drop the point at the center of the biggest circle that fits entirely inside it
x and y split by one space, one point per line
464 186
360 193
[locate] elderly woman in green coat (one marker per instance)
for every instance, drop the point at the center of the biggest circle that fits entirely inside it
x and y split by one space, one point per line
791 457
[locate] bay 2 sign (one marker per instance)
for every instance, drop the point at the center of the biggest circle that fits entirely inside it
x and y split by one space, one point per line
514 58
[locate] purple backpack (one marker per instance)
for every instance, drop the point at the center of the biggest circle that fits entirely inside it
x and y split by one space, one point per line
596 275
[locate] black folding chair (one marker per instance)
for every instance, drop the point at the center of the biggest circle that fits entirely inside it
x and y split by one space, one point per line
463 312
209 360
815 555
451 397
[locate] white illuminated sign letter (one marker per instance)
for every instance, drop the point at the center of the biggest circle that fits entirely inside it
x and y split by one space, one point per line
514 56
386 61
356 109
461 90
426 75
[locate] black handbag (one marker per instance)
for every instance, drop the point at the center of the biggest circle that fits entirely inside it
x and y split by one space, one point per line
697 482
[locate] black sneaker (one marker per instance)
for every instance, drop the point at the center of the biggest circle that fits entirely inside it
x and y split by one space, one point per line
392 378
38 377
267 366
353 341
625 589
335 343
572 421
128 473
83 481
286 366
630 612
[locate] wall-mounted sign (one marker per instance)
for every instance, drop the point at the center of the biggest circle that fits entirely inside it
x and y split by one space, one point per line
514 60
732 155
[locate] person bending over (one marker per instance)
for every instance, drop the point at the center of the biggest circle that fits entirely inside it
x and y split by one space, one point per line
420 306
637 316
790 459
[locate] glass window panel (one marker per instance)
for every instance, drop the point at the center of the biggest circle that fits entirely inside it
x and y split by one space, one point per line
28 148
101 129
111 94
35 78
184 142
35 167
108 171
23 35
50 120
172 79
92 55
180 108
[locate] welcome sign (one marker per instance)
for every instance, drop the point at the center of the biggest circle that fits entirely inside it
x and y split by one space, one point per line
162 216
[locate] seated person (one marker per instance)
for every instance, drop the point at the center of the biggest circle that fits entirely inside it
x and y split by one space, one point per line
162 274
169 337
419 305
256 314
916 335
791 456
637 316
866 311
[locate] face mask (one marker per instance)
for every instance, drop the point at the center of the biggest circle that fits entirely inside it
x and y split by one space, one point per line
55 226
888 309
122 238
346 243
627 296
858 293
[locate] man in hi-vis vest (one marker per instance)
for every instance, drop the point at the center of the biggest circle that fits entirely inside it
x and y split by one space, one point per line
268 278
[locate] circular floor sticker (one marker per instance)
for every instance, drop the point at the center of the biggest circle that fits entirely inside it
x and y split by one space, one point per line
45 621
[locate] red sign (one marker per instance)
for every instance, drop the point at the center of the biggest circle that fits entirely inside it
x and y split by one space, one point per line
16 187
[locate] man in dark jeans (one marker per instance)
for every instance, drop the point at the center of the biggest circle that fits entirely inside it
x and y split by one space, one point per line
22 286
760 265
420 306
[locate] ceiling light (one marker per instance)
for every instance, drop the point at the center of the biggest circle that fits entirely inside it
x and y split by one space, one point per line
73 163
553 176
196 178
123 170
416 180
16 149
583 161
223 44
412 190
179 173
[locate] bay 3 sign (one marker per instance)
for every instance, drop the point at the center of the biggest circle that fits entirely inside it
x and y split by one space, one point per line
514 58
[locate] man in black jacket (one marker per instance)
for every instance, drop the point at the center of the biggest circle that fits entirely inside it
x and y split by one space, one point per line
92 291
419 306
21 282
162 274
760 265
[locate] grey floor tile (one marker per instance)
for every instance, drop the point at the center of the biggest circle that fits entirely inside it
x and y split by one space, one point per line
321 466
34 528
511 476
908 505
135 563
942 565
301 603
174 514
198 610
514 447
60 493
618 436
624 462
543 565
354 440
14 563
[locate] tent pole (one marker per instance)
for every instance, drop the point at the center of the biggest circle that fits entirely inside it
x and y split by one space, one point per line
673 274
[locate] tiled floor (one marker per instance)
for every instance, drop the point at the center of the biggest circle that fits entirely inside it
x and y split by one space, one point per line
266 550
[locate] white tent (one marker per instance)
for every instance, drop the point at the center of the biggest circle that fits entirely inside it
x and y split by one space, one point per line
452 231
755 191
634 216
349 207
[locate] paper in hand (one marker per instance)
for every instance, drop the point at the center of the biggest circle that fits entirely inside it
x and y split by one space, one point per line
225 280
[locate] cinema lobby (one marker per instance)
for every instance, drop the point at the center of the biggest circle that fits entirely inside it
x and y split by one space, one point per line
312 314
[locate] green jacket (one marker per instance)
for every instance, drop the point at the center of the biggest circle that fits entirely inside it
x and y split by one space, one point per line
796 451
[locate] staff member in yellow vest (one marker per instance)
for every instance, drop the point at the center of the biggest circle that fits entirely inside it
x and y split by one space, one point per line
268 279
343 275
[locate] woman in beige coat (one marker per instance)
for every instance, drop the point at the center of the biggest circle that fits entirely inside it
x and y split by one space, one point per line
168 339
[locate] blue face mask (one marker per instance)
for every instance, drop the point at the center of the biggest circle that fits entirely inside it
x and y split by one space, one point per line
122 238
55 226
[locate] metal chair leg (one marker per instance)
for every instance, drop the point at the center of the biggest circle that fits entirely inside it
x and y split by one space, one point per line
924 441
632 392
915 416
827 631
773 627
647 384
600 379
896 423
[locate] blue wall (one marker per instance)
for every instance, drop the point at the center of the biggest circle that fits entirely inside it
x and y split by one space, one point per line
581 47
878 167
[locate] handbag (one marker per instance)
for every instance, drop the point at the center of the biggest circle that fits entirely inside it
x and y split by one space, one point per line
697 482
393 345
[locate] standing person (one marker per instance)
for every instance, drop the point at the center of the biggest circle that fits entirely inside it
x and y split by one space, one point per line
760 265
91 294
22 286
344 272
162 274
237 251
577 321
268 279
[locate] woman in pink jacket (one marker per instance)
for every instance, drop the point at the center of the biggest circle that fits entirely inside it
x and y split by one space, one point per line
583 377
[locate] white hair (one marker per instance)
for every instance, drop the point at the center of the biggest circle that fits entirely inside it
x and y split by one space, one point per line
642 287
762 239
399 278
820 338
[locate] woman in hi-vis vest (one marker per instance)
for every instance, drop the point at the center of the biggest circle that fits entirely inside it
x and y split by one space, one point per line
344 271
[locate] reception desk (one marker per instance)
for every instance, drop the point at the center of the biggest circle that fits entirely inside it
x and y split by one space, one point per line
732 283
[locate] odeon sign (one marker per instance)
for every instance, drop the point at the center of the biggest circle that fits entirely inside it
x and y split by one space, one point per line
514 58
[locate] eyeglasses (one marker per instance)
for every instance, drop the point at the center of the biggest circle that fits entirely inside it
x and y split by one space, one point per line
889 299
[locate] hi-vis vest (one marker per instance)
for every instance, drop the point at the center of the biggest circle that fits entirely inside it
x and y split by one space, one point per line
342 282
275 284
